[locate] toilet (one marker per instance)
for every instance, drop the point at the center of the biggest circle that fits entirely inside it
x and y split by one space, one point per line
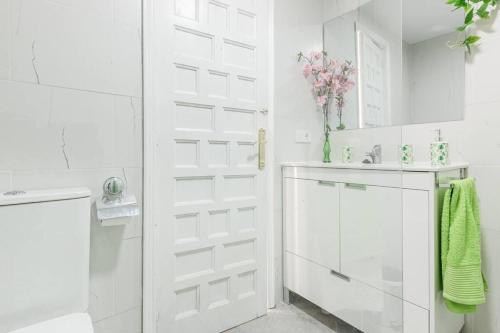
44 261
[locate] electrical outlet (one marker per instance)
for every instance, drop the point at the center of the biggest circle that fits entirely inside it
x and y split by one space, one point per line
302 136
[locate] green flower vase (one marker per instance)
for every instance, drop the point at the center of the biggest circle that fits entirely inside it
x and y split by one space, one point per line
327 149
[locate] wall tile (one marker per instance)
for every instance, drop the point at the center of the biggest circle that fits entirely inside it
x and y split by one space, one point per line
98 50
133 177
128 12
5 181
88 122
27 139
128 275
126 64
487 182
481 138
127 131
105 247
482 86
78 56
4 39
485 320
96 7
39 179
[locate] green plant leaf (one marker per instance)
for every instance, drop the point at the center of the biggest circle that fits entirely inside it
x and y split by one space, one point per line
474 10
472 40
469 15
482 12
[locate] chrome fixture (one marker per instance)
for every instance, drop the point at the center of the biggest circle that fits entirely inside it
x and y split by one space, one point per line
116 206
113 189
375 155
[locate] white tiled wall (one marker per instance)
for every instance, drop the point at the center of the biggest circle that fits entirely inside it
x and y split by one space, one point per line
71 115
298 27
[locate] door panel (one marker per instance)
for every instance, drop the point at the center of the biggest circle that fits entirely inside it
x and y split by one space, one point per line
371 234
312 215
210 82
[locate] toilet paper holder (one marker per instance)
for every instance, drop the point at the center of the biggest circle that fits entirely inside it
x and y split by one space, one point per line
116 207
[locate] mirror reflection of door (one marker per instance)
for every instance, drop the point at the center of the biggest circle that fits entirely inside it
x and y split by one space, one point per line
373 57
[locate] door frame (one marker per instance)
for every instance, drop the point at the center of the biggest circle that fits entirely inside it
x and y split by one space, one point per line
150 159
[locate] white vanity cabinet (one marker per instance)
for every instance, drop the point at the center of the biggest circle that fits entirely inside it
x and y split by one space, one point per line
371 240
362 242
316 219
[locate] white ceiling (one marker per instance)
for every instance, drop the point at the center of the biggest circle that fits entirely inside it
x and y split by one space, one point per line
426 19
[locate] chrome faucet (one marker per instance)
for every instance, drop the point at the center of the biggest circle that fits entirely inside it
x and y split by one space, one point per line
375 155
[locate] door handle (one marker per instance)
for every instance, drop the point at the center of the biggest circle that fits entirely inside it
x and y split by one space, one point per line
340 275
327 183
353 186
262 148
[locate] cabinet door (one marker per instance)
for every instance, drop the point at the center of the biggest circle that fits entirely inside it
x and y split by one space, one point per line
371 236
312 220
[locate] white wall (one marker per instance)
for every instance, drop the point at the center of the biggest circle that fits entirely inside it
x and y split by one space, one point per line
435 80
297 27
71 115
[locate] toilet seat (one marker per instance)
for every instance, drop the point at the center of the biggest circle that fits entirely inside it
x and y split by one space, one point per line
74 323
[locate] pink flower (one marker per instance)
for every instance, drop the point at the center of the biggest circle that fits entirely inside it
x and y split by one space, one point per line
334 86
307 70
333 64
318 84
316 55
321 100
316 68
327 76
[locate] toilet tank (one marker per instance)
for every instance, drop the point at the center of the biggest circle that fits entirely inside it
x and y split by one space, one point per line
44 255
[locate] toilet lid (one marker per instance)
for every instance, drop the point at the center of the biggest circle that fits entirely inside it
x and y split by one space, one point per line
74 323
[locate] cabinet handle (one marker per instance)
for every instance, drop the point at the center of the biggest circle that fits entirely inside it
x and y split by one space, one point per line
340 275
326 183
356 186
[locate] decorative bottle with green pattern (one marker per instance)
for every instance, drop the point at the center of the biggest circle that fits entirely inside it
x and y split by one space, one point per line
439 151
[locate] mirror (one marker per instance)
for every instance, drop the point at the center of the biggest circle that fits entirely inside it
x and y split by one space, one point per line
407 73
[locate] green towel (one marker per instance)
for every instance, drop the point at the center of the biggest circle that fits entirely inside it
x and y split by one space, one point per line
463 284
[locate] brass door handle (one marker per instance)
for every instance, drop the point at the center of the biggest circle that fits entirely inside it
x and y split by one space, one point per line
262 148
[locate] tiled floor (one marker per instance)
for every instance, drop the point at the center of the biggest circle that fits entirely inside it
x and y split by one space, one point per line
300 317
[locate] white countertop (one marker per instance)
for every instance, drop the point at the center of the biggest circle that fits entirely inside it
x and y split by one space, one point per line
389 166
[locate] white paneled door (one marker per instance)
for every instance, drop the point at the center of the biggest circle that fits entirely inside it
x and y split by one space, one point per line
209 78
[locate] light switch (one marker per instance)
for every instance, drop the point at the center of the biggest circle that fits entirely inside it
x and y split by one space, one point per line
302 136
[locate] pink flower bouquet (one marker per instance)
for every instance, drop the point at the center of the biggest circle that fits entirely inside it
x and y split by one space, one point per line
330 80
